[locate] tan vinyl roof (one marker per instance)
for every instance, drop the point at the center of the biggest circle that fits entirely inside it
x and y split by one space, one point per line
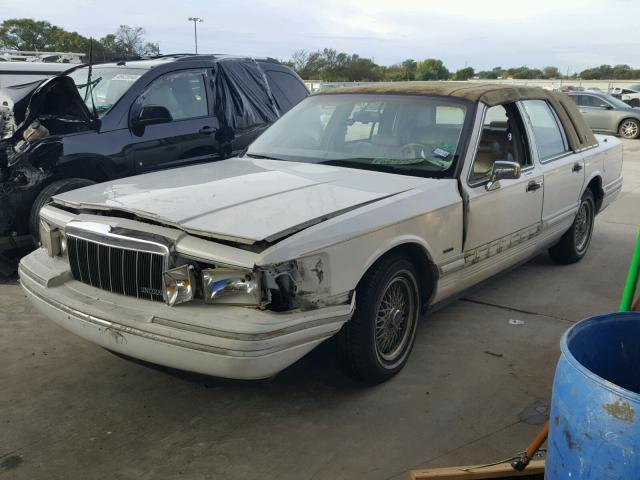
578 133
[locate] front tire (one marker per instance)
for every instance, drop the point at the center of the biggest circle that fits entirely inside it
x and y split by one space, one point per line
574 244
375 344
44 197
629 128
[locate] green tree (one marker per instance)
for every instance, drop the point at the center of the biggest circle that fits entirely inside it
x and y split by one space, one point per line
551 72
130 41
431 69
27 34
330 65
394 73
464 74
598 73
410 66
524 73
106 49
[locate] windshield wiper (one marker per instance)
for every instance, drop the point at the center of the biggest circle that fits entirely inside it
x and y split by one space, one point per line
382 162
265 157
93 83
363 164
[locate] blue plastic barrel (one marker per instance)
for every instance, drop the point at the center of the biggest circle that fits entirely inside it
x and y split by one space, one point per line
595 408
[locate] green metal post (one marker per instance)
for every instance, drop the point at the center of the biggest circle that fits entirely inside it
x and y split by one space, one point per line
632 279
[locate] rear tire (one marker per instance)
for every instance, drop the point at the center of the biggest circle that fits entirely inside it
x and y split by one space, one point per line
375 344
629 128
574 244
44 197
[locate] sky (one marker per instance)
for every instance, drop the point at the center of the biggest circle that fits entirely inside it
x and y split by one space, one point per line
569 34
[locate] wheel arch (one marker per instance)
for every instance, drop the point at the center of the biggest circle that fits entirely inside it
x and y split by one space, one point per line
419 254
595 185
97 169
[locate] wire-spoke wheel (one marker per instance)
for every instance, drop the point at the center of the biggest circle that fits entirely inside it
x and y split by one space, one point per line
375 344
583 226
629 128
575 242
395 317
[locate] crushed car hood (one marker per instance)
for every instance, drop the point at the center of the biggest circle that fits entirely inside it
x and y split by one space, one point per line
241 199
56 96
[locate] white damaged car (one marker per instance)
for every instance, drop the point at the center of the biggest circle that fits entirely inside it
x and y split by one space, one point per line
353 214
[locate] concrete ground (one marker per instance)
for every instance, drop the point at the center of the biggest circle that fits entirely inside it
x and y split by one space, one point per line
476 388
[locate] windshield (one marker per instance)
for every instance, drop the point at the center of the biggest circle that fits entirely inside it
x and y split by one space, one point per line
108 84
410 135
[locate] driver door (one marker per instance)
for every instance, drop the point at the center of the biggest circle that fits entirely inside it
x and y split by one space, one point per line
502 220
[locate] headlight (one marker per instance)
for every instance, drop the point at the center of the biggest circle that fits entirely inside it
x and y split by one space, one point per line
52 239
179 285
231 287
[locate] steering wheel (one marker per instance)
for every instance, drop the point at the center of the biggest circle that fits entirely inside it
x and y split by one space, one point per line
413 150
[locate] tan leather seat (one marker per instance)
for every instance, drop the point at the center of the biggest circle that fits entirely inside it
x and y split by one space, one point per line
488 152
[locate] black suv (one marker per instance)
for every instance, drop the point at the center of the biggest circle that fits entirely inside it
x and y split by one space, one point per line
115 120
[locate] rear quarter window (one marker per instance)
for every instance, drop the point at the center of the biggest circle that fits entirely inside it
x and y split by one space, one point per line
287 90
551 140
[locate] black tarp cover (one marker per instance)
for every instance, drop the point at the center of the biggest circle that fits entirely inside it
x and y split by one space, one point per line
243 97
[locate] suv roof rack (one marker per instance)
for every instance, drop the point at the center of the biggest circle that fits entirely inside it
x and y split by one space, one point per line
211 56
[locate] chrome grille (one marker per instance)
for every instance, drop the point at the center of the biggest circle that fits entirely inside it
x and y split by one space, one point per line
115 269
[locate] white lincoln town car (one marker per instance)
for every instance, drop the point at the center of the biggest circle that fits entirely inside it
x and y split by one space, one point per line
352 215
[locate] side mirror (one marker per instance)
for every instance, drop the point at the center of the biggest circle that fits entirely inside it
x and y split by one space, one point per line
502 170
151 115
606 106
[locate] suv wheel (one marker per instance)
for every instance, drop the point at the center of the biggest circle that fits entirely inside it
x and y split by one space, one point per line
44 197
574 244
629 128
375 344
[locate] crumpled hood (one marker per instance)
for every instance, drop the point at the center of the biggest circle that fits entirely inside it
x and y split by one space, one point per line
242 199
56 96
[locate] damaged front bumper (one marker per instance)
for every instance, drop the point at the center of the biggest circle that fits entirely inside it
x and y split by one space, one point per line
223 341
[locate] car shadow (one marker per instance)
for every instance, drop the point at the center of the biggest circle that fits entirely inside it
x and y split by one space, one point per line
319 367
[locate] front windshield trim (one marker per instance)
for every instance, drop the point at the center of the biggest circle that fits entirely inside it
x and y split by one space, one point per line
429 167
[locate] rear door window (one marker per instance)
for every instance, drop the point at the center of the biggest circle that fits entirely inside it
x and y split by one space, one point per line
592 101
578 99
549 135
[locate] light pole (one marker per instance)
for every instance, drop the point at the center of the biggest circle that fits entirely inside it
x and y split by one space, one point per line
195 21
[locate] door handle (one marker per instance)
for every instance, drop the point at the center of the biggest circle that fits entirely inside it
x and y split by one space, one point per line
207 130
533 186
576 167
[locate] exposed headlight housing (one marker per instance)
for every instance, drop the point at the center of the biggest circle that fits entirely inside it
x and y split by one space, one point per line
52 239
179 285
232 287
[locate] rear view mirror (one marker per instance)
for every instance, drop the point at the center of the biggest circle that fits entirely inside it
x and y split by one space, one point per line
502 170
152 115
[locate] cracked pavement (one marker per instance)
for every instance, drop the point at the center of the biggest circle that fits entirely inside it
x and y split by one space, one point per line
69 409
